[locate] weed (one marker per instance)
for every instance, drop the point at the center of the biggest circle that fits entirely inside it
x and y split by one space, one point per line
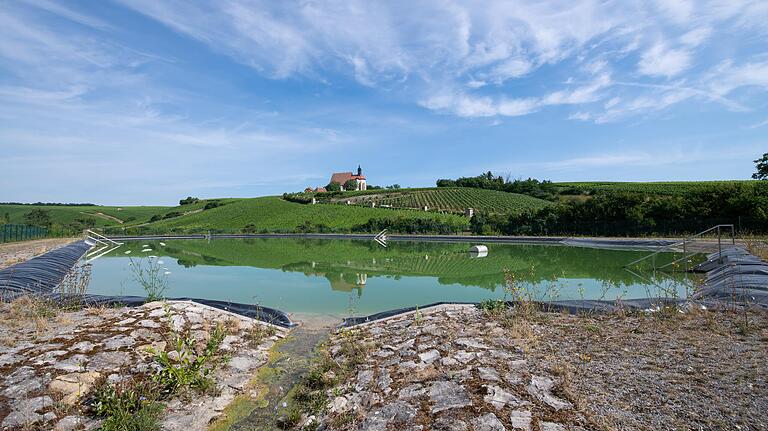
258 333
127 406
72 288
151 276
187 367
493 307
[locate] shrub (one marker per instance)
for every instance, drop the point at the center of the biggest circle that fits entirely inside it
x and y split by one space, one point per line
187 368
126 406
189 200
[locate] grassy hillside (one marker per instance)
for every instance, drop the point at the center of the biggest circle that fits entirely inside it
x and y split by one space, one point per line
273 214
66 215
453 199
669 188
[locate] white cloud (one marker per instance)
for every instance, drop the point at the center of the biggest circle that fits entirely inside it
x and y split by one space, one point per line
696 36
660 60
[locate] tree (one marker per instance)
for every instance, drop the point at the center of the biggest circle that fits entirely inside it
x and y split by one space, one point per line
762 168
333 187
38 217
188 200
350 185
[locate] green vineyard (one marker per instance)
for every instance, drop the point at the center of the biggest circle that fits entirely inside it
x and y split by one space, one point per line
454 200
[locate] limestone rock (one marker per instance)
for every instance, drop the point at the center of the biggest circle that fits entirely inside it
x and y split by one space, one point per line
520 420
72 386
541 388
487 422
448 395
499 398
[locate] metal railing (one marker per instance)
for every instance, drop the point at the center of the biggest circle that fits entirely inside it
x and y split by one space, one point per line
21 232
685 242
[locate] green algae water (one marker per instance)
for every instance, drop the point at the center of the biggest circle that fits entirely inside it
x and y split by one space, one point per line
340 277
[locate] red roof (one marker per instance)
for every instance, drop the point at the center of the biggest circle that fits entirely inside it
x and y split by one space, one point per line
343 177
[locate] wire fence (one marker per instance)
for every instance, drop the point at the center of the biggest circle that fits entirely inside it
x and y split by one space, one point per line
21 232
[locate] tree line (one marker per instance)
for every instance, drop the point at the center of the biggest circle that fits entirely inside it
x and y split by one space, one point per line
622 213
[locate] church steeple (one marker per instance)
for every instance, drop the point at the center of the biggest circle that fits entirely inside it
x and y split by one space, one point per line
359 171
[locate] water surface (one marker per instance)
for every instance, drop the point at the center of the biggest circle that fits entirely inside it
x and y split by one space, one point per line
353 277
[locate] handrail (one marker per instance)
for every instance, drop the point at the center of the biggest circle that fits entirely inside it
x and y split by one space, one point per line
97 236
689 239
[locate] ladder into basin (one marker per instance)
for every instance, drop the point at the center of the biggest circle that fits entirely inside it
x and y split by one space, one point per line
685 246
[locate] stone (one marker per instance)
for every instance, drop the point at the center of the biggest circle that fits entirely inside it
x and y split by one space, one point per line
396 413
21 382
124 322
339 405
177 322
551 426
83 346
520 420
449 424
463 356
108 361
411 391
158 312
448 395
541 387
10 359
487 373
487 422
429 356
118 342
72 363
48 358
75 423
72 386
147 323
243 363
364 379
384 380
449 362
499 398
25 413
469 343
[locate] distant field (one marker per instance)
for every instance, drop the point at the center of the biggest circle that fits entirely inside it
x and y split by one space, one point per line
660 188
65 215
274 214
454 200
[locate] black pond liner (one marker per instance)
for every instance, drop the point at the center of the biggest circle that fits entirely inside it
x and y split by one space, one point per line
571 306
41 275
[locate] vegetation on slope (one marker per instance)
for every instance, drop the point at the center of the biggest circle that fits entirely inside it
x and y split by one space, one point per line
455 200
628 213
273 214
666 188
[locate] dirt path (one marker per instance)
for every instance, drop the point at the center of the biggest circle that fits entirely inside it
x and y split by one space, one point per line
16 252
104 216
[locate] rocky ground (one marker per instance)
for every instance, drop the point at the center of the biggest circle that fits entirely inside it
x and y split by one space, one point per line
15 252
456 368
50 360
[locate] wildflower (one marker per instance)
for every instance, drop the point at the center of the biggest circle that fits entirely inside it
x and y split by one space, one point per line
163 244
128 252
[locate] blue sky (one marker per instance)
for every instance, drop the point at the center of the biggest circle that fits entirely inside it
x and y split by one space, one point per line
148 101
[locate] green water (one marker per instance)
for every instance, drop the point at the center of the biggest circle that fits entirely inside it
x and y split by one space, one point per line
343 277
